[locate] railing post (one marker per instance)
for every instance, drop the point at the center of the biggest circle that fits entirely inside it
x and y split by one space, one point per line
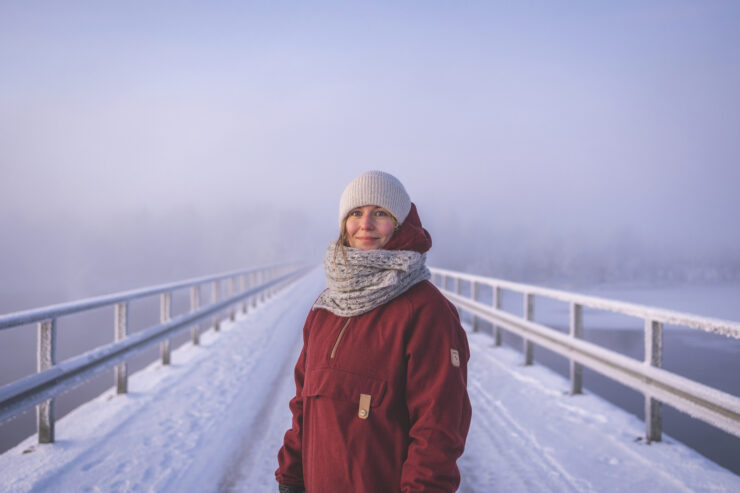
253 283
261 279
165 314
653 357
215 288
497 306
194 305
120 330
242 288
576 331
232 310
474 295
528 315
45 359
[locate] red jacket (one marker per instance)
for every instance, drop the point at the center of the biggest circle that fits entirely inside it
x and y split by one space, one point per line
381 403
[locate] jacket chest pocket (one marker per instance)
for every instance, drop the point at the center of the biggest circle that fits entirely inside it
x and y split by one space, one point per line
363 391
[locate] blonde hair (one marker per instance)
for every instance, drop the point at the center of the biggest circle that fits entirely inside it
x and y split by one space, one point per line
339 245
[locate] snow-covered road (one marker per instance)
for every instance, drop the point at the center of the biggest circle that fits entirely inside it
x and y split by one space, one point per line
214 420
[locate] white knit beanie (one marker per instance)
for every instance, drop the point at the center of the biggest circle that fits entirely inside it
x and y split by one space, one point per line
375 188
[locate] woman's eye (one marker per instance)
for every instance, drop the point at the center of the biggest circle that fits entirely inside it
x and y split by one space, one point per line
381 213
355 213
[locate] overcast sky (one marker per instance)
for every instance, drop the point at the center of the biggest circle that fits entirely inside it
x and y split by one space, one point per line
595 120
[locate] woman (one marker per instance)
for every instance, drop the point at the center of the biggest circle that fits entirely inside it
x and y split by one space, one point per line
381 403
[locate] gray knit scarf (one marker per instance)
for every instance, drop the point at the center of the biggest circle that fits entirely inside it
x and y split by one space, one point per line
369 279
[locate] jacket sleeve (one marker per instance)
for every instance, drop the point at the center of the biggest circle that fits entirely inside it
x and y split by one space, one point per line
437 398
290 456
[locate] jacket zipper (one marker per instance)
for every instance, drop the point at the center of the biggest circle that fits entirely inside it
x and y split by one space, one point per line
339 338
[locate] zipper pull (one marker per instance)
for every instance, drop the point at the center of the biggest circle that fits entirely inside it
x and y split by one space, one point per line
339 337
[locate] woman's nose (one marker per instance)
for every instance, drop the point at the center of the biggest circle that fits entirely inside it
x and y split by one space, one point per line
366 222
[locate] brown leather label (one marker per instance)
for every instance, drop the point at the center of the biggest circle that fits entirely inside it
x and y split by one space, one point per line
455 357
364 411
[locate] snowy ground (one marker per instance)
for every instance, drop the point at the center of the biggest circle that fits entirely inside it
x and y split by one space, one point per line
214 420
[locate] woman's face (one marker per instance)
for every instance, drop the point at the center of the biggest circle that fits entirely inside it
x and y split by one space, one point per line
369 227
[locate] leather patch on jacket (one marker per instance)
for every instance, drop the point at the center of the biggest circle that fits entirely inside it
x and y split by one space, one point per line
364 411
455 357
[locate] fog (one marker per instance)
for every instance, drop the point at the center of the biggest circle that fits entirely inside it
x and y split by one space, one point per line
556 142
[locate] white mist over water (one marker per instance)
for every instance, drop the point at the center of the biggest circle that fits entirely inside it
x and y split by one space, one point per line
537 140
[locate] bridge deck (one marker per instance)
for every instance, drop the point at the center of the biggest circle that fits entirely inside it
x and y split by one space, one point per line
214 421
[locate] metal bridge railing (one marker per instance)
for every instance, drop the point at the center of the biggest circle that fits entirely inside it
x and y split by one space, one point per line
52 378
658 386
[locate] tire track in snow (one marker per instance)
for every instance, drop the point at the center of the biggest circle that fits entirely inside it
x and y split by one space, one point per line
501 456
548 472
526 436
253 466
264 435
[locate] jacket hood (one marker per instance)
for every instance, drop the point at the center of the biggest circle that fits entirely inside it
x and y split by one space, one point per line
411 235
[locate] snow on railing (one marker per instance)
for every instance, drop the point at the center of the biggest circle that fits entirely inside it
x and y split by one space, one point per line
55 378
700 401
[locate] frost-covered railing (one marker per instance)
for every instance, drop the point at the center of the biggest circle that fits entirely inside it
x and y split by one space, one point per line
55 378
700 401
